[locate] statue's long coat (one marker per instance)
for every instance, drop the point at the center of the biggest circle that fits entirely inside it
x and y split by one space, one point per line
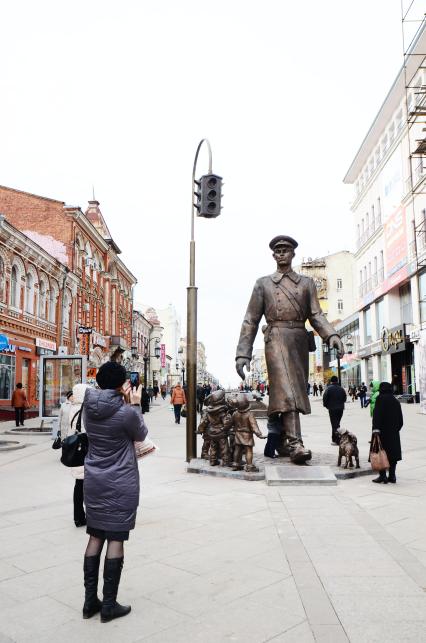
286 297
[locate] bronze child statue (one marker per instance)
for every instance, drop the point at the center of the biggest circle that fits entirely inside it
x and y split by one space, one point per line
214 427
243 427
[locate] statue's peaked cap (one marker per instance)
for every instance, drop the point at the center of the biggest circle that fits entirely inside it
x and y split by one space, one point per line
281 239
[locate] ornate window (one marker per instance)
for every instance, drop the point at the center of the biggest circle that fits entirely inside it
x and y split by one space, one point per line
14 287
42 297
29 294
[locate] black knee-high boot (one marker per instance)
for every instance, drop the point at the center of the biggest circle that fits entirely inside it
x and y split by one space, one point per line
382 477
92 604
392 468
110 608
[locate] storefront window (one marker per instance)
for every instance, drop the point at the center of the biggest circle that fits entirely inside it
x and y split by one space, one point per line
422 291
405 303
7 376
380 320
367 326
59 374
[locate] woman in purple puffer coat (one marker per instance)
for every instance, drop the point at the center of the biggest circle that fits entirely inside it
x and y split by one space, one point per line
111 484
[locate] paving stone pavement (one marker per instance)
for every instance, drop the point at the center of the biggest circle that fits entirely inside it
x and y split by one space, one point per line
216 559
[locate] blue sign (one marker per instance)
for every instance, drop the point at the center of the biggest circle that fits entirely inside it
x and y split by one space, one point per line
4 342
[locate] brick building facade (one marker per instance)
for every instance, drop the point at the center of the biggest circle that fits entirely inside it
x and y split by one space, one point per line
91 288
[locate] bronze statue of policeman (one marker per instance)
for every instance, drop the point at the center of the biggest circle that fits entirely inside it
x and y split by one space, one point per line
287 300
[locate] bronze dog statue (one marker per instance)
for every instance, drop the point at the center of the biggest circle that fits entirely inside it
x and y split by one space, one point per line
348 448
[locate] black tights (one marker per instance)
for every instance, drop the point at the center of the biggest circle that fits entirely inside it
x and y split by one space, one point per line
95 545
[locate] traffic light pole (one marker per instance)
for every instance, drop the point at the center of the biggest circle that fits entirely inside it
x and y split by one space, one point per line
191 326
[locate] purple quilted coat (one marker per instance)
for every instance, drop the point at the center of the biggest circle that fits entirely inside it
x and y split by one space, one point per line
111 475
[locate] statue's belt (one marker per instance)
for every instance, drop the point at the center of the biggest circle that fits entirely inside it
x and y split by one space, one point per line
281 324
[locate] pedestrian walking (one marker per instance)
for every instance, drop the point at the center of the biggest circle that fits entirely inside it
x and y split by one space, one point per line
201 396
375 386
150 392
69 418
111 484
19 403
320 388
388 421
145 400
155 391
163 390
362 394
315 389
178 400
334 399
308 388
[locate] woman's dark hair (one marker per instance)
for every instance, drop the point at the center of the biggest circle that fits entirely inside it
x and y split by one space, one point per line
385 387
111 375
69 394
19 385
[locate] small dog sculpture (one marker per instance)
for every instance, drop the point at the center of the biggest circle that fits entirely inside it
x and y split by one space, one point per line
348 448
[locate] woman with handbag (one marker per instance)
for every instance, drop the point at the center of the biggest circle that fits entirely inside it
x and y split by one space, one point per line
387 422
111 484
70 423
178 399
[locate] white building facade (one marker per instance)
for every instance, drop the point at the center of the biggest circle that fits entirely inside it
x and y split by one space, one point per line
389 209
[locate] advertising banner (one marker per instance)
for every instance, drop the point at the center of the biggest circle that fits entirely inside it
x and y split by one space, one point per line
163 355
422 371
396 248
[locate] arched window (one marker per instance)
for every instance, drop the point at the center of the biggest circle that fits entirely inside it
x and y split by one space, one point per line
67 309
42 299
2 284
14 292
53 297
29 294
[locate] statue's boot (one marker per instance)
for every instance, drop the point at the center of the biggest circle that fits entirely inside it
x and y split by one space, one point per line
283 448
291 425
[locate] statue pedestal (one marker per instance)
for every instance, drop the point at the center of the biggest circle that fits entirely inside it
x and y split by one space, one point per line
289 474
198 465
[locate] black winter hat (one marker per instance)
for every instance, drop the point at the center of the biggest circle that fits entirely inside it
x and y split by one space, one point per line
111 375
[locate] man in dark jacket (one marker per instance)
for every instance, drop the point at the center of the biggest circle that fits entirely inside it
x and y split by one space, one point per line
334 400
362 395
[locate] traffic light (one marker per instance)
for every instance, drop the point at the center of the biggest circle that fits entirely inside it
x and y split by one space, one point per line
209 195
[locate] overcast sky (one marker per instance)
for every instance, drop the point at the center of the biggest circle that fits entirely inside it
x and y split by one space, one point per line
118 95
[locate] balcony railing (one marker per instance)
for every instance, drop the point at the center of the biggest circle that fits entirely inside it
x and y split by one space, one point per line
372 282
368 233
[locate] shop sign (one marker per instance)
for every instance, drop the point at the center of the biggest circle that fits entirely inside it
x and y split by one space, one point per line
98 339
391 339
45 343
163 355
371 349
84 330
4 342
11 348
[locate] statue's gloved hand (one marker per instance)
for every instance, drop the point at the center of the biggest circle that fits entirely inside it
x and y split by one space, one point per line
336 342
240 362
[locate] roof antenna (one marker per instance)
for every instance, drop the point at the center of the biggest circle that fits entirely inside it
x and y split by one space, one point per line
93 193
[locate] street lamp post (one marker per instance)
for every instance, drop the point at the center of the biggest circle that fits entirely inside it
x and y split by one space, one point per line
208 206
147 358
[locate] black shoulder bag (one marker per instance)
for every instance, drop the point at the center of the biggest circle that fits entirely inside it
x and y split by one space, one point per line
75 447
